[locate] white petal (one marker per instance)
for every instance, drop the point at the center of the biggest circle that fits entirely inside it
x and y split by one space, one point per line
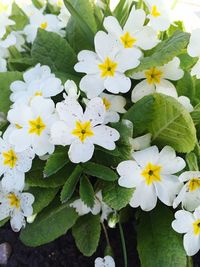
80 152
118 83
41 145
92 85
160 23
142 89
191 200
88 62
147 155
194 44
128 59
42 106
191 243
172 70
27 200
196 70
135 20
95 111
24 161
60 134
185 101
183 221
51 87
112 26
146 38
80 207
167 88
141 142
13 181
17 222
180 197
20 139
4 211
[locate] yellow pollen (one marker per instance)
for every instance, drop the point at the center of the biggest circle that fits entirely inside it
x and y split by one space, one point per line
106 103
14 200
10 158
36 126
43 25
153 75
59 3
18 126
151 173
83 130
108 68
196 227
154 12
194 184
38 93
127 40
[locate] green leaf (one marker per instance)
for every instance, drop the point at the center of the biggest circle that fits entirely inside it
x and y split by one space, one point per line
20 18
50 224
6 78
51 49
195 114
158 244
70 184
192 161
86 192
115 196
3 222
122 11
86 233
167 120
99 171
43 196
163 52
55 162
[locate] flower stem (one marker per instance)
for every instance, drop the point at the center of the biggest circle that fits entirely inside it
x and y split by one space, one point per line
106 234
123 245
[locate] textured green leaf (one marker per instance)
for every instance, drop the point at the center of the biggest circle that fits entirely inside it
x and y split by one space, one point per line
51 223
4 222
163 52
86 233
86 191
195 114
192 161
55 162
51 49
6 78
70 184
158 244
99 171
20 18
115 196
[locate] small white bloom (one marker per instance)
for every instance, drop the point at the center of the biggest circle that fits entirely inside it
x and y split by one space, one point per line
105 68
159 14
16 205
189 224
71 89
82 130
99 207
32 126
194 51
189 195
4 23
141 142
134 34
152 174
156 80
48 22
107 261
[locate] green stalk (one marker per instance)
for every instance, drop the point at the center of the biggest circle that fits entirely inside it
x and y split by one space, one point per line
123 245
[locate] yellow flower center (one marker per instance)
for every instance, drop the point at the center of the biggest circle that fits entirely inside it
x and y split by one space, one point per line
10 158
108 68
43 25
154 12
36 126
196 227
194 184
83 130
38 93
106 103
14 200
151 173
127 40
153 75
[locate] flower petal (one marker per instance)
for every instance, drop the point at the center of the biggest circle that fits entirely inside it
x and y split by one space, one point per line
142 89
118 83
92 85
88 62
143 157
80 152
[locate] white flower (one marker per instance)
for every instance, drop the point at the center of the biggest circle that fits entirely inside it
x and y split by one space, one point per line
194 51
12 161
32 126
107 261
48 22
4 22
134 34
16 205
105 68
38 81
189 224
82 130
71 89
159 14
152 174
156 80
189 195
99 207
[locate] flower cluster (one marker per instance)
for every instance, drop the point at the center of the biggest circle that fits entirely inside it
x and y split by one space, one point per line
82 118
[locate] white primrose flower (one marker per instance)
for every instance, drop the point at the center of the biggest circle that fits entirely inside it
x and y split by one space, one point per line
82 130
32 126
189 224
194 51
105 68
4 23
107 261
38 81
159 14
99 207
48 22
156 80
16 205
189 195
152 175
71 89
134 34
